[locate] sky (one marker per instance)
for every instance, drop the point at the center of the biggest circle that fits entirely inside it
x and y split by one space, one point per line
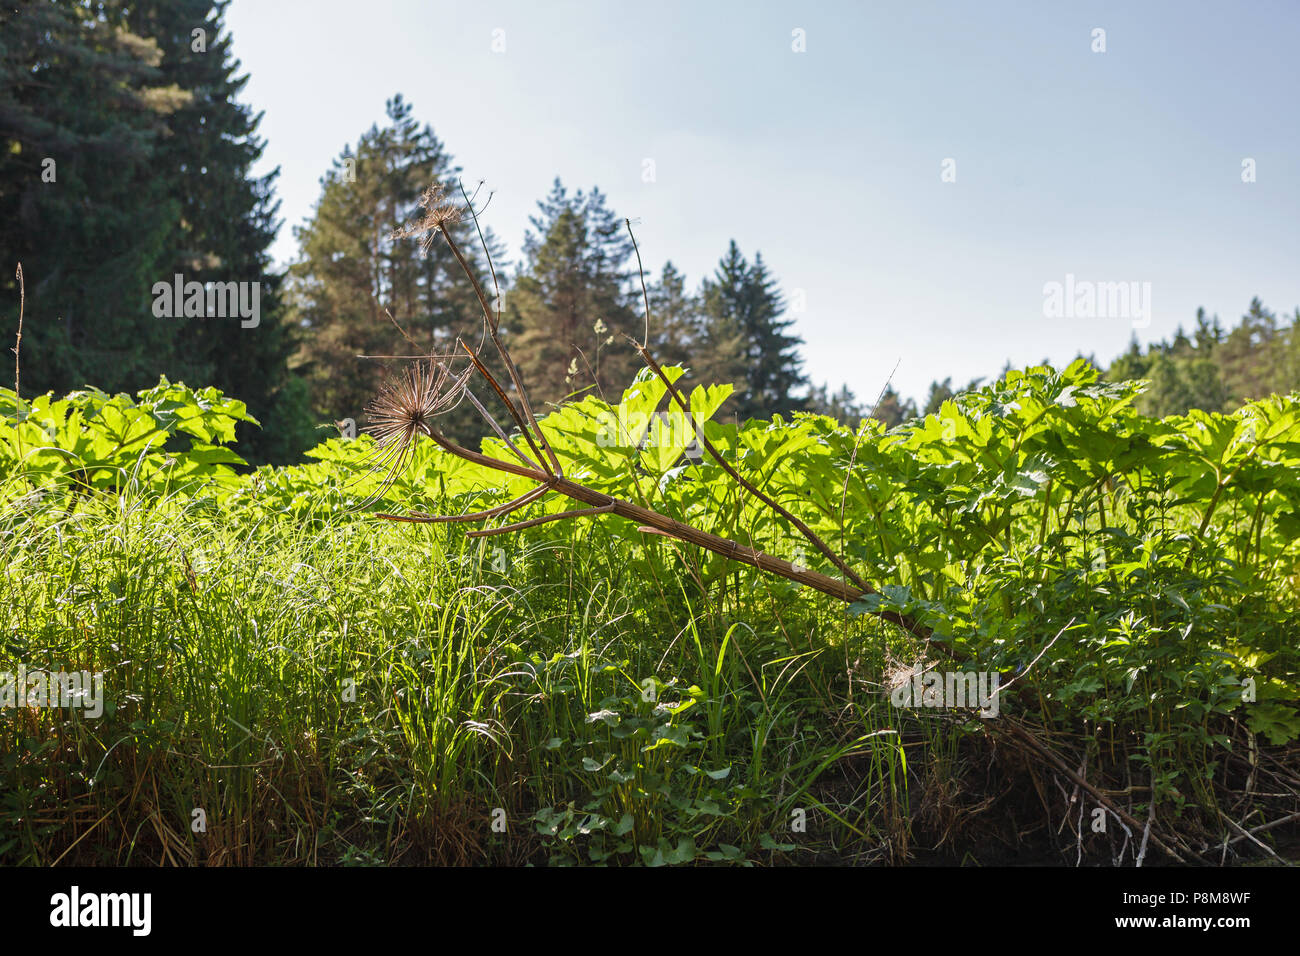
916 175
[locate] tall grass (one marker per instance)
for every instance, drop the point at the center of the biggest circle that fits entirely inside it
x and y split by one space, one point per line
344 691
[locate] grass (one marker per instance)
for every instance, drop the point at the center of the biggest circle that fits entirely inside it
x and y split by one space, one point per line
360 692
291 682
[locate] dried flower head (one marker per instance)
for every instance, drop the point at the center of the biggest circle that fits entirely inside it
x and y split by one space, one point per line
437 211
897 672
406 407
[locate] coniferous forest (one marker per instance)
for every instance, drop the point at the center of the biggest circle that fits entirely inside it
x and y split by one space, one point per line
423 548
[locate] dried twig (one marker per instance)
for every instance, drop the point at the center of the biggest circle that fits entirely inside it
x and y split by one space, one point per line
1028 740
1244 834
22 307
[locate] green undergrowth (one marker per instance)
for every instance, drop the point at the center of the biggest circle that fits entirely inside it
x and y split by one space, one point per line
288 679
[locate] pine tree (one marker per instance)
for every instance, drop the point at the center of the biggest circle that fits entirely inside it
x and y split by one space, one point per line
676 323
940 392
1132 365
226 226
1210 370
843 406
351 275
721 359
570 306
1247 355
892 409
1207 334
778 373
744 299
1288 364
723 351
82 207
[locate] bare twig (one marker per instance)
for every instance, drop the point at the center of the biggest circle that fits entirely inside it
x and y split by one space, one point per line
1265 826
18 343
493 330
684 404
640 270
526 498
1030 665
533 522
1245 834
500 432
1028 740
510 407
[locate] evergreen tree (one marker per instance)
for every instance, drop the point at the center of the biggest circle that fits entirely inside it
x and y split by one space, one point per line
1288 358
1207 334
227 224
743 300
1248 355
721 358
351 275
82 110
1133 364
570 306
940 392
1210 370
150 177
892 409
1168 394
843 406
676 323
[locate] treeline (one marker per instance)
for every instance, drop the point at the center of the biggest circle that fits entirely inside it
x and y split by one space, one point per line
126 160
1213 369
569 305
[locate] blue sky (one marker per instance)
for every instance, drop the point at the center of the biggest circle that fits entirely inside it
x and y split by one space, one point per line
1116 166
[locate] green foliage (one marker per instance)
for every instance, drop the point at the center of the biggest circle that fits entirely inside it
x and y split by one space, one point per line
1041 499
1213 370
614 697
645 796
169 436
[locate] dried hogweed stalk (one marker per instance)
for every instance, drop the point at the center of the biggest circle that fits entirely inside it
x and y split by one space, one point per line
407 408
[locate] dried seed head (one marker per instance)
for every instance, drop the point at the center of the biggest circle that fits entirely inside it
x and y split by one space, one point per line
897 672
406 407
437 211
